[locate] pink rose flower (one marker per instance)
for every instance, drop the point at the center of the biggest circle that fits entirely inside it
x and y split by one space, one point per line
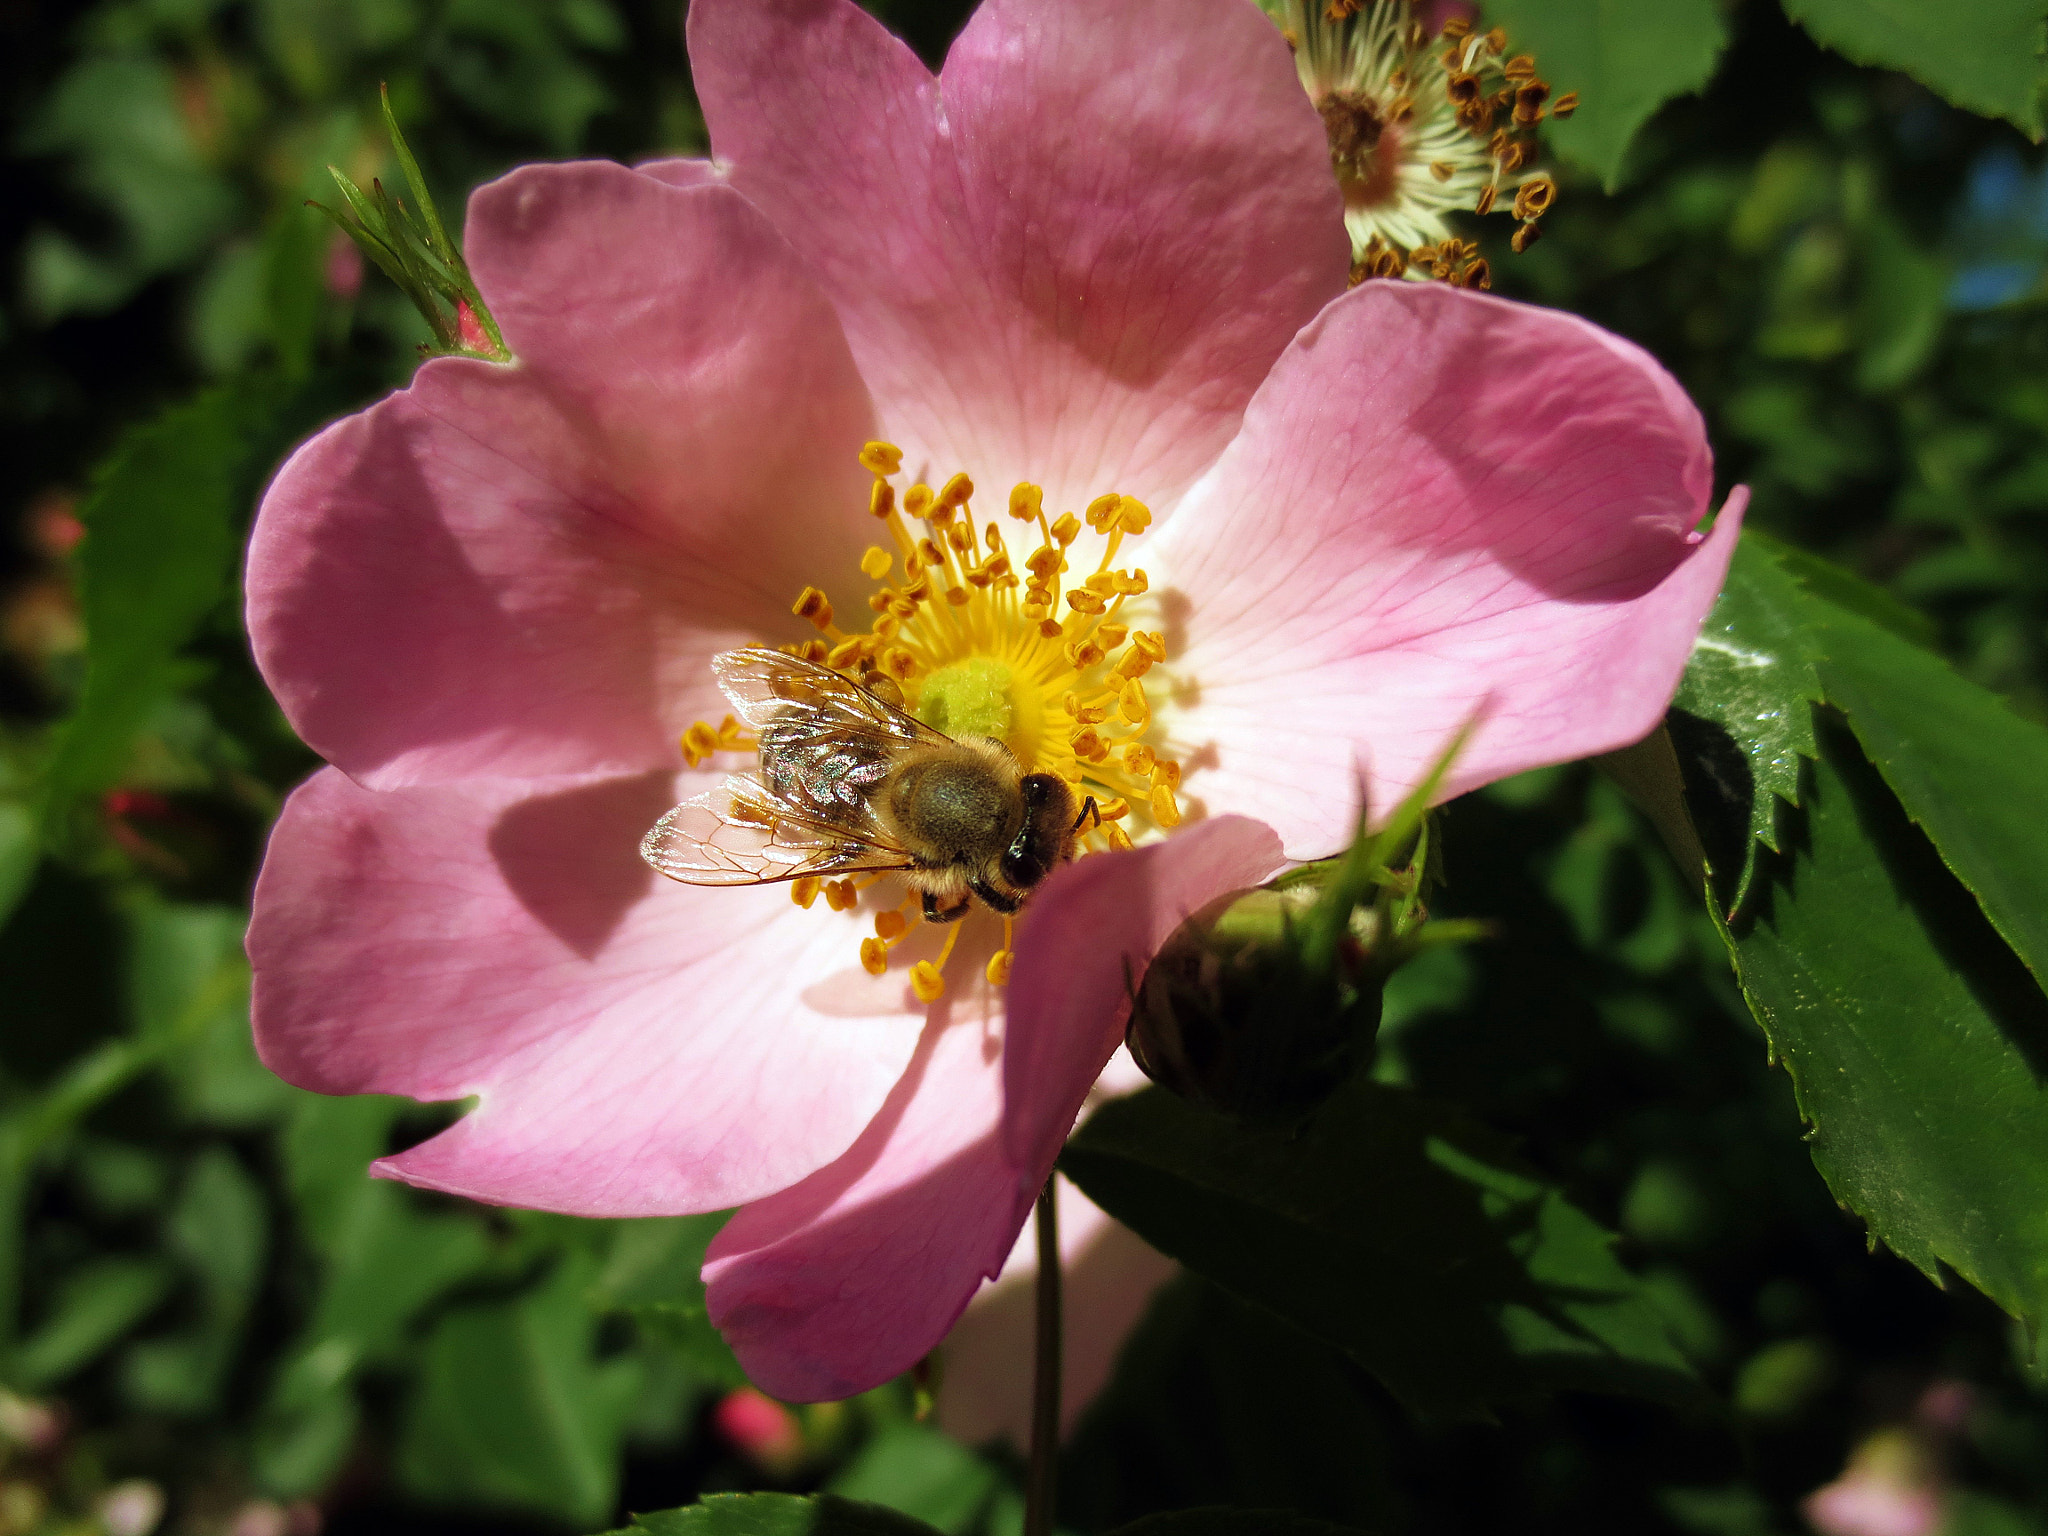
1102 252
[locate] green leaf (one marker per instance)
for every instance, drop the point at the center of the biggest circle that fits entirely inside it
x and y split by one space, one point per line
1752 681
1625 59
1231 1522
1395 1230
654 1273
94 1305
159 554
1967 769
19 851
776 1514
512 1410
1984 55
921 1473
1916 1041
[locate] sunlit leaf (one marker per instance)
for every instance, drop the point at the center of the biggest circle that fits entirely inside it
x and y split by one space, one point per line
1917 1042
1981 54
1624 59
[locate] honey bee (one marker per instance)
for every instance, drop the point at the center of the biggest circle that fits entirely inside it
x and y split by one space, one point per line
847 782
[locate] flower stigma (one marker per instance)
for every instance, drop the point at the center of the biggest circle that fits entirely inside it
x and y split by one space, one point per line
1036 652
1421 128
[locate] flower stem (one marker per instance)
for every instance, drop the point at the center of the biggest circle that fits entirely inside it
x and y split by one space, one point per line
1045 1377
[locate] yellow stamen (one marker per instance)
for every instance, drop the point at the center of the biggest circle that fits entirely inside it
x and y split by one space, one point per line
881 458
970 643
813 605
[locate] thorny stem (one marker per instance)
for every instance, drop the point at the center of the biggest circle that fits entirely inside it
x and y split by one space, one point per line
1045 1376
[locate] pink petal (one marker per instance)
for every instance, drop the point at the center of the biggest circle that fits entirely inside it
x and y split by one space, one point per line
845 1280
1109 1277
1070 259
1075 966
1441 503
524 570
681 171
639 1047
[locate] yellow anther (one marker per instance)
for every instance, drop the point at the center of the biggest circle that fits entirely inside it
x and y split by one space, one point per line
1131 583
1165 809
998 566
891 925
759 815
810 650
1103 582
876 562
804 890
1166 772
874 956
1132 515
848 653
730 735
840 895
881 458
1086 714
1083 654
916 592
1134 663
1131 703
926 982
958 492
1153 645
882 499
1110 636
1027 501
1089 745
898 663
1050 628
994 535
1066 529
999 968
1046 563
960 537
699 742
918 499
1084 601
887 626
1116 808
929 554
1116 837
813 605
1139 760
1102 512
959 597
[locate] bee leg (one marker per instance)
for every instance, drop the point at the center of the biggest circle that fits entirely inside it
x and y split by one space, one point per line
1006 905
952 914
1088 813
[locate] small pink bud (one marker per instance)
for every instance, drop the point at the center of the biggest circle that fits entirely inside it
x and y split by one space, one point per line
342 273
760 1429
470 330
53 526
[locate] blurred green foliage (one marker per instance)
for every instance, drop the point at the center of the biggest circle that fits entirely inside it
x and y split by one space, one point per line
199 1287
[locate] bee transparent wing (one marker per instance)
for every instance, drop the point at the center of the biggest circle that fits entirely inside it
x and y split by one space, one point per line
740 834
766 686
